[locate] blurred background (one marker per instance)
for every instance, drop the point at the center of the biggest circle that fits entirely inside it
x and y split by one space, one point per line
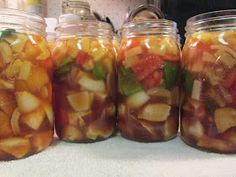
118 10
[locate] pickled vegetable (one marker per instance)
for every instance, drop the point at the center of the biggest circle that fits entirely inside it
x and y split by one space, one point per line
209 123
171 74
83 89
99 72
26 121
128 85
148 81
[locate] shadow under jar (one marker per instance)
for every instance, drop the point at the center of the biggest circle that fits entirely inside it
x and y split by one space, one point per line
84 81
209 60
26 117
148 81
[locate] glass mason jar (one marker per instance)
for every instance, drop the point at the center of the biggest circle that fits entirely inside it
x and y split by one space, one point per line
26 117
148 79
209 62
80 8
84 83
116 43
51 33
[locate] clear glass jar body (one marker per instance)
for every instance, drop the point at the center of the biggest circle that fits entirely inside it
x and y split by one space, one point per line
209 63
26 117
148 81
84 83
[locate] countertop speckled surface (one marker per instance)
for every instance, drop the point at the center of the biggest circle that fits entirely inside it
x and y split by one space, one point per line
117 157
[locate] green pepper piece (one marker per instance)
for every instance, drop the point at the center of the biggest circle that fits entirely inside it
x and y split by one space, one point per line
99 72
64 67
64 61
188 81
171 74
6 32
128 84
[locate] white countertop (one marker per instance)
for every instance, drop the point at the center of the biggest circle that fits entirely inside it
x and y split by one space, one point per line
117 157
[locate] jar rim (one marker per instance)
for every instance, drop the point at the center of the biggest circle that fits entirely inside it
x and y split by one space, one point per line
22 21
154 21
88 28
85 22
76 3
212 21
149 27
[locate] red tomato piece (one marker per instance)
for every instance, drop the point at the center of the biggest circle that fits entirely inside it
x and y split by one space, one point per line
82 58
48 65
153 80
203 47
146 66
